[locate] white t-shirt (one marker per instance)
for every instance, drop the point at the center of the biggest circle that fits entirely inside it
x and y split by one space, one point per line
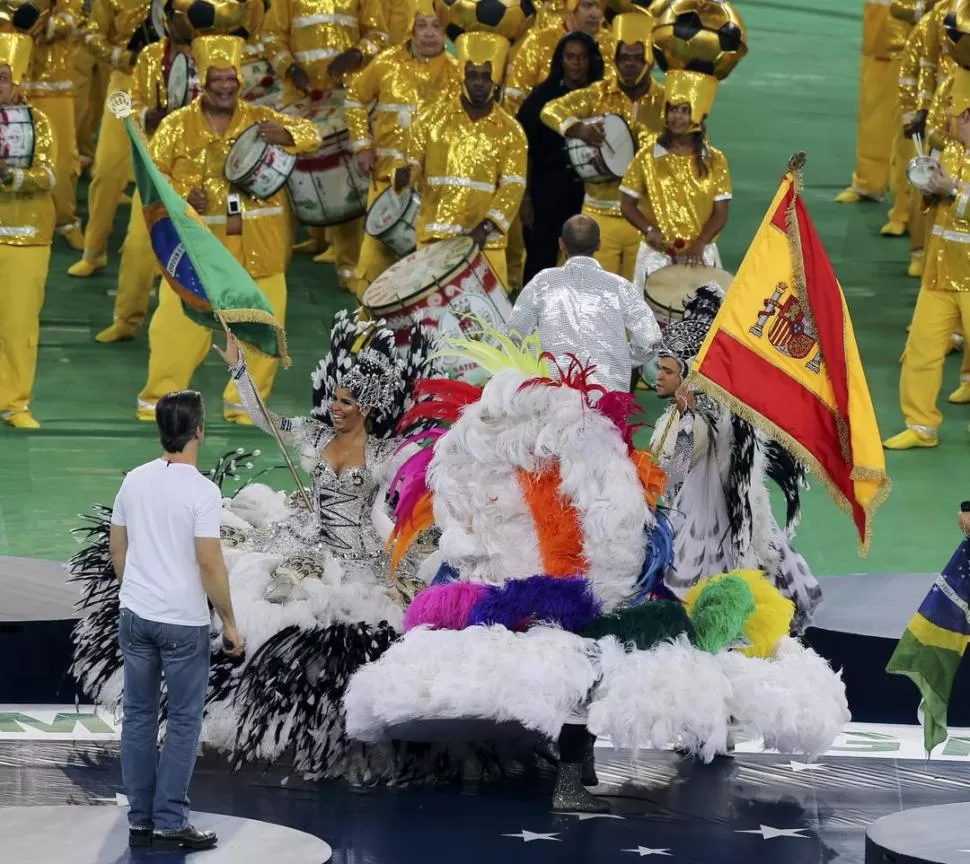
164 506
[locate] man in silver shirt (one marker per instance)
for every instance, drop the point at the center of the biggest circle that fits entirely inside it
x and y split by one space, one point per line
582 310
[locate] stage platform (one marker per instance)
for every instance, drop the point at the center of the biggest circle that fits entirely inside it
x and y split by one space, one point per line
924 835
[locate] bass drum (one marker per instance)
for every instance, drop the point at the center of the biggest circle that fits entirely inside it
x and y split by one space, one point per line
447 287
326 187
668 288
258 168
260 84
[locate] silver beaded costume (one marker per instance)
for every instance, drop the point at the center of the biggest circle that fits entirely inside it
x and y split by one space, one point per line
582 310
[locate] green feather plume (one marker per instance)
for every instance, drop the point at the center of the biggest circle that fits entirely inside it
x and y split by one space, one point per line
643 626
719 613
494 351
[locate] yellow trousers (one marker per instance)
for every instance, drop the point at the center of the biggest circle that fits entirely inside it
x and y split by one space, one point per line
109 175
178 347
619 244
874 132
938 314
136 273
375 257
515 255
23 275
899 185
59 110
90 91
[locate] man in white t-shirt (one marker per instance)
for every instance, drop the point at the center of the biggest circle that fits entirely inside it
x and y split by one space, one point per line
166 552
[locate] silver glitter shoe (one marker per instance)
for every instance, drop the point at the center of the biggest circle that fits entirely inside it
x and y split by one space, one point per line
570 796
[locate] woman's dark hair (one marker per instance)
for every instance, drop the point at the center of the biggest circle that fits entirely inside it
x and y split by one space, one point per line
179 415
698 144
596 67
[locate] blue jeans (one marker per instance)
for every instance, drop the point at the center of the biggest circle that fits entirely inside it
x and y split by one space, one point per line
157 786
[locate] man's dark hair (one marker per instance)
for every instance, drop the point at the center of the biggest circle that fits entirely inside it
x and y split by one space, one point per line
178 416
580 236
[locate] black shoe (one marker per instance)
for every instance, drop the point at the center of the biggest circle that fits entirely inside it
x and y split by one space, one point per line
139 837
188 838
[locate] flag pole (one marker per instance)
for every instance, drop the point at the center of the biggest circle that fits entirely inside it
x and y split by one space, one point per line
272 426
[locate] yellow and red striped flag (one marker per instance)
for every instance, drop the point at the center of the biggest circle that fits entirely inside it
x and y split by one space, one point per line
782 354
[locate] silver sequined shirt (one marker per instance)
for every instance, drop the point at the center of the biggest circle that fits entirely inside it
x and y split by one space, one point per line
582 309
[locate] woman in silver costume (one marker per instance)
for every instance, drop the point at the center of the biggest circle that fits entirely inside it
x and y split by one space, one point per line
716 465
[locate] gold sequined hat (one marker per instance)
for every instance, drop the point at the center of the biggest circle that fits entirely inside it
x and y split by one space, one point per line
217 52
695 88
425 7
15 51
573 5
636 26
481 48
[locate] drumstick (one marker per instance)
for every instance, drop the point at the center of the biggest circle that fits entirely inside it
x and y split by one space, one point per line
272 426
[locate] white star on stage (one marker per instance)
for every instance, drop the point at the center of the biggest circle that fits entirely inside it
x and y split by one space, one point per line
529 836
582 817
643 851
798 767
769 833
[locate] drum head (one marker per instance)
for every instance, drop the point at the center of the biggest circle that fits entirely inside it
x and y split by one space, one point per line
920 170
387 209
157 16
417 272
669 287
619 148
178 81
244 154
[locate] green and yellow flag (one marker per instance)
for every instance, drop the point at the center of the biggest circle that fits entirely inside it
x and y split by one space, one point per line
210 282
932 647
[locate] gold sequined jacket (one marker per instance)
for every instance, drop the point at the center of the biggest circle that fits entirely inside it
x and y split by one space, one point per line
192 155
149 80
110 26
399 82
467 171
311 33
52 58
947 266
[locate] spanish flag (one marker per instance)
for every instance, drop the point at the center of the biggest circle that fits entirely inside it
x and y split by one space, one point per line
932 647
781 354
212 285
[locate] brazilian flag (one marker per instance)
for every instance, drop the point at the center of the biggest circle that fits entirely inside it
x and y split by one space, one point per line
213 286
932 646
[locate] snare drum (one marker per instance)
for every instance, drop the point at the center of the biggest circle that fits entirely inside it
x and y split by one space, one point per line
258 168
179 84
444 287
326 187
16 135
260 84
392 219
668 288
608 163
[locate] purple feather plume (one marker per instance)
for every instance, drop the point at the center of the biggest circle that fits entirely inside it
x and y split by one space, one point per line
446 607
570 603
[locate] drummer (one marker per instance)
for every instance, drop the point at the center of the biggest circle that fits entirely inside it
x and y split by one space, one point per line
639 100
27 217
677 190
50 87
110 27
314 45
468 157
151 101
400 79
190 147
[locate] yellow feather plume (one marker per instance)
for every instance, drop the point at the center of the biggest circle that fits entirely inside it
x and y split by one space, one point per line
771 619
495 351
